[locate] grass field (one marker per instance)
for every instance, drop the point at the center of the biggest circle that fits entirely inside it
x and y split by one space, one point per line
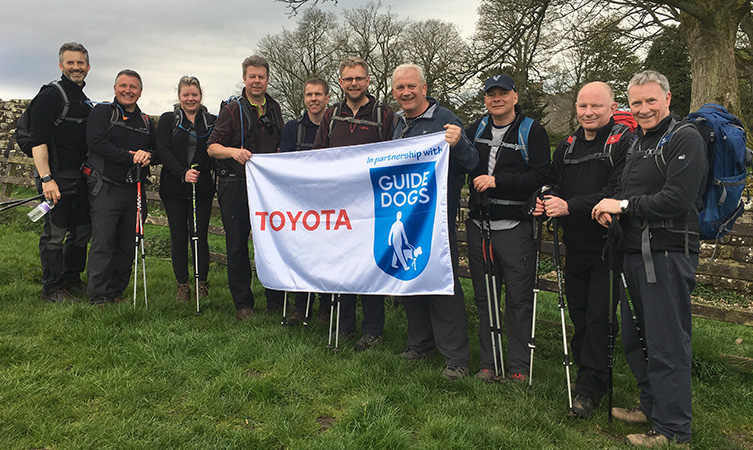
77 376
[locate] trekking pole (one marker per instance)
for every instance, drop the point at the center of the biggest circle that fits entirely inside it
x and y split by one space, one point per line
308 311
635 317
610 338
562 306
331 318
337 325
139 240
491 286
195 240
284 308
18 202
539 228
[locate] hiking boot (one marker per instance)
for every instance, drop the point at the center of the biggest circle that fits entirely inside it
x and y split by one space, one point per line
454 373
244 313
76 287
119 299
203 289
411 355
367 341
184 293
651 438
323 316
294 319
100 301
632 416
487 376
60 295
518 377
582 408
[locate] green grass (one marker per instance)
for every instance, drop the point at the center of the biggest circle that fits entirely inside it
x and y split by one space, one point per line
75 376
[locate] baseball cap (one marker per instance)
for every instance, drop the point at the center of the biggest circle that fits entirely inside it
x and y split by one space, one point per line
503 81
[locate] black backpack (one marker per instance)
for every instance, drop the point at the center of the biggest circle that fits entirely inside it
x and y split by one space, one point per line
22 134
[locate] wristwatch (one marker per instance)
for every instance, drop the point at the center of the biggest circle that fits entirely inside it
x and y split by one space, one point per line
623 206
47 178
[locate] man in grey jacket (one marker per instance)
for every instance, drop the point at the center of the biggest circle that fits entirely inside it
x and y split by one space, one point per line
436 319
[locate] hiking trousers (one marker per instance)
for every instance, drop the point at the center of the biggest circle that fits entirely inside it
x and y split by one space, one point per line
65 235
663 311
587 286
515 266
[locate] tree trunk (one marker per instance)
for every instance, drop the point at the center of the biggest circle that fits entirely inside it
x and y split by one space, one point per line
711 44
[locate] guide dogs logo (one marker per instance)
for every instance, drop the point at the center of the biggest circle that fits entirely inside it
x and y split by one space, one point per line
405 202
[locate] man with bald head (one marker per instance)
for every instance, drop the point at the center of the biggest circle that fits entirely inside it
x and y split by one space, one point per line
585 168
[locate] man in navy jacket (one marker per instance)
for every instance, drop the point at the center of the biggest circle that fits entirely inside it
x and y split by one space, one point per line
436 319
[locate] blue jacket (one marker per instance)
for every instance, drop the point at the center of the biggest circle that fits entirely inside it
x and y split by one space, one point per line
463 156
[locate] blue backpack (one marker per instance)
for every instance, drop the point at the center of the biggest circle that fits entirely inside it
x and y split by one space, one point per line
523 131
729 160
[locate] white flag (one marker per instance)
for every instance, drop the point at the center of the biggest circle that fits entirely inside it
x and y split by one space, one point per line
365 219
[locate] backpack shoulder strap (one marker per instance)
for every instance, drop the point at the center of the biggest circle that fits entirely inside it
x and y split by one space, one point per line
300 130
335 116
376 115
480 130
523 131
177 119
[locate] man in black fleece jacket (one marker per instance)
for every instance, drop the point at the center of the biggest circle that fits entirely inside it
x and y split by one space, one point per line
509 172
656 201
119 151
59 148
585 168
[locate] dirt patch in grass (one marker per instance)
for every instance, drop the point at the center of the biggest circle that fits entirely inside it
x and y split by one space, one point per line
254 373
742 439
325 423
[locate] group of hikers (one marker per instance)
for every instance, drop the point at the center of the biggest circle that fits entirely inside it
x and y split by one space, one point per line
603 186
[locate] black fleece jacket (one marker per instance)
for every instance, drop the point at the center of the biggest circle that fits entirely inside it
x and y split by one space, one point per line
662 192
584 184
109 146
69 136
514 179
172 150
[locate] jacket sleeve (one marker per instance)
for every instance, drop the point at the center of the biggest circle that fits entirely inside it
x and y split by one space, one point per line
98 136
538 165
46 109
222 132
463 154
388 123
289 136
686 167
166 144
322 134
470 133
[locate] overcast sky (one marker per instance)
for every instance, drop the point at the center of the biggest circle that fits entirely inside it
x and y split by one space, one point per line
163 40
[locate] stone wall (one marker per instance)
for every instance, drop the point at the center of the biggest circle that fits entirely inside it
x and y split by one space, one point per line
10 111
731 268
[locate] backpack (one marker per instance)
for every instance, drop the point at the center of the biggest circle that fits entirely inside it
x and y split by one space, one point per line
246 111
729 160
625 118
22 134
376 116
615 134
205 115
118 118
523 131
301 134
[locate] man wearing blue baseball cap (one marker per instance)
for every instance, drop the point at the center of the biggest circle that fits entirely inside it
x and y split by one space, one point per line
514 159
